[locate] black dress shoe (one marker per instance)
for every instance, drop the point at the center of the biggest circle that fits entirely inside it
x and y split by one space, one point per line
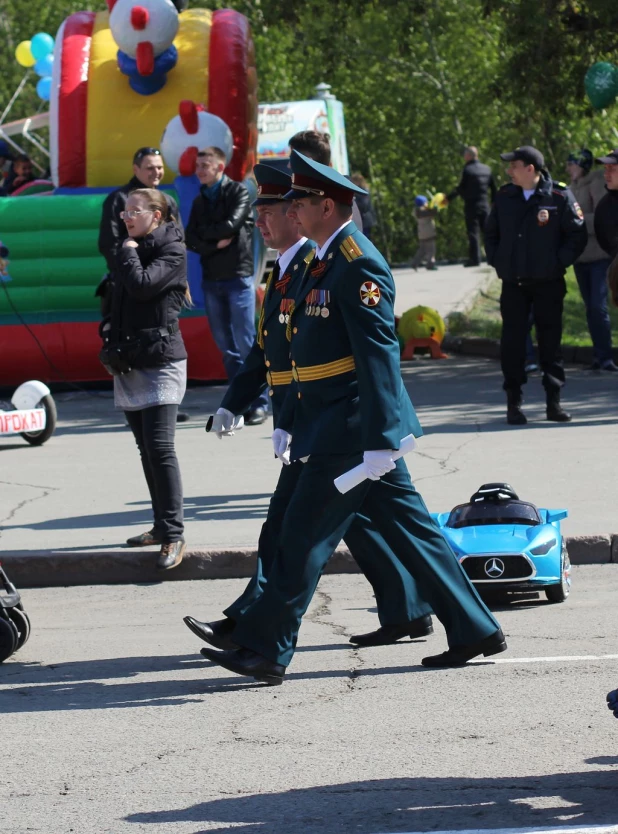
612 701
255 417
460 655
216 633
144 539
251 664
171 554
384 636
182 417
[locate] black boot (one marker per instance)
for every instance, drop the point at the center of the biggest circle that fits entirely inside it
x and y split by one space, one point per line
555 412
514 415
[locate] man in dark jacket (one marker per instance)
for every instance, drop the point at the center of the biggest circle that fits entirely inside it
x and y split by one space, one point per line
148 171
606 212
606 219
220 230
535 231
478 189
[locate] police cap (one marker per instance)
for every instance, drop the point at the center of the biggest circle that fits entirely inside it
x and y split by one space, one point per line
527 154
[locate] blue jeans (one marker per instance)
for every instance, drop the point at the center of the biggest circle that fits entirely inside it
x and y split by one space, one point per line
230 307
592 280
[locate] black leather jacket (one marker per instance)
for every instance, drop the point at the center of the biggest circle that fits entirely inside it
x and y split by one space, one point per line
528 241
112 231
149 290
230 216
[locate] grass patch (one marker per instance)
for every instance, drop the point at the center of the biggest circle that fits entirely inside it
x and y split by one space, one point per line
483 318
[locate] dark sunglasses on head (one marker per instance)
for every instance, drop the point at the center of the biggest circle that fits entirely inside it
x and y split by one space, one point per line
139 155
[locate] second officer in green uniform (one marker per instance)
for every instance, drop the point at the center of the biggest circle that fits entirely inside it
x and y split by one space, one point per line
401 612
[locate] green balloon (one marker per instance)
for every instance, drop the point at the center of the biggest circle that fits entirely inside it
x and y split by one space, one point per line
601 84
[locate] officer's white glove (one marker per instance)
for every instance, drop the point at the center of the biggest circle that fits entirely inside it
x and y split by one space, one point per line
224 423
378 463
281 445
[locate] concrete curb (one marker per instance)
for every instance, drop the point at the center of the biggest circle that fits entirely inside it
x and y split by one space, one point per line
44 569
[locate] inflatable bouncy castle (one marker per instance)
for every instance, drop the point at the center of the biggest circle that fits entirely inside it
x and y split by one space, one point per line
140 73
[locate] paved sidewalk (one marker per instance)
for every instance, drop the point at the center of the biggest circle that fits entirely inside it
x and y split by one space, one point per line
83 493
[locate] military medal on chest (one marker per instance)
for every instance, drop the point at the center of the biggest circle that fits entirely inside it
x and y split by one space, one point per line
316 303
284 309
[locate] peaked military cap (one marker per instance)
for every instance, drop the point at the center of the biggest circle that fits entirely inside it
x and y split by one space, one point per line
273 184
312 178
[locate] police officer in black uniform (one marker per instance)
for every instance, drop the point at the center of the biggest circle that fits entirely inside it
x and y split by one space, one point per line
478 190
535 231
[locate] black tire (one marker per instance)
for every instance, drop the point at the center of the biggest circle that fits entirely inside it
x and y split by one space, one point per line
37 438
560 592
21 621
8 639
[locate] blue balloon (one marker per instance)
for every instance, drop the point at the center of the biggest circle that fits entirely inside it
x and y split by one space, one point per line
44 66
41 45
43 88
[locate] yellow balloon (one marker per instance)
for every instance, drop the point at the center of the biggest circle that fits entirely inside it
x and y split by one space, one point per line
24 55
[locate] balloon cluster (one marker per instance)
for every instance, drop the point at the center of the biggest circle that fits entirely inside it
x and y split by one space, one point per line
38 53
601 84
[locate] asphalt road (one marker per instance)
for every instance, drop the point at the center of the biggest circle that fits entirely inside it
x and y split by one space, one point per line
111 722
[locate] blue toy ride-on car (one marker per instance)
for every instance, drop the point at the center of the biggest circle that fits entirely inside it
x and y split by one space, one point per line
504 543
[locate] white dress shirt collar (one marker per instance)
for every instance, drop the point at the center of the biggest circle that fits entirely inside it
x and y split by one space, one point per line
322 250
286 259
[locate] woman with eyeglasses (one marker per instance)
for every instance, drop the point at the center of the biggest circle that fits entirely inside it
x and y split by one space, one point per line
150 374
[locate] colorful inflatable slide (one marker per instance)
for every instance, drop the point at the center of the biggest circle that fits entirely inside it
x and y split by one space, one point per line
142 73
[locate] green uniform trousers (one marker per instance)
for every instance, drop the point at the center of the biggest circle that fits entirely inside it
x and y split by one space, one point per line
318 517
396 594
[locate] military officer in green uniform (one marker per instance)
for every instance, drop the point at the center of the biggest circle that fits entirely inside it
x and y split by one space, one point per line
348 407
401 612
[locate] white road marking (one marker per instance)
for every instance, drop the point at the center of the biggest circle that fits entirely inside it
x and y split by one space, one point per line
571 829
559 659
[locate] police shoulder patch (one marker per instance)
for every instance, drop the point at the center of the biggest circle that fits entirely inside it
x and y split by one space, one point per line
578 210
370 294
351 249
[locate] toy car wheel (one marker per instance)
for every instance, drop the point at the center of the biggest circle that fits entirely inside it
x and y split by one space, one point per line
559 593
8 639
21 621
37 438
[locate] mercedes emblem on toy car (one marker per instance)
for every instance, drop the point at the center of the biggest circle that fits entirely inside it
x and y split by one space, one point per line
33 415
502 542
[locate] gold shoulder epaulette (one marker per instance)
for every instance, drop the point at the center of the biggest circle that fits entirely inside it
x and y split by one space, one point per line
351 249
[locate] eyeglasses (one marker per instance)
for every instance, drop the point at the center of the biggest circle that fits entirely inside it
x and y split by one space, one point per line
131 215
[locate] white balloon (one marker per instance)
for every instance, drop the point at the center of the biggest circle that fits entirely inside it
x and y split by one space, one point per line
160 30
212 132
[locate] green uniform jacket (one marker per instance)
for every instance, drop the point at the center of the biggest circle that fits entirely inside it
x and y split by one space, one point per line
348 395
262 364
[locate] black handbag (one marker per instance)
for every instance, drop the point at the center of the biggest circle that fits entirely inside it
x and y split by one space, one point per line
144 349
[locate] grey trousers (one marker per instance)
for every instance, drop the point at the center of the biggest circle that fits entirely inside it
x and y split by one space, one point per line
426 253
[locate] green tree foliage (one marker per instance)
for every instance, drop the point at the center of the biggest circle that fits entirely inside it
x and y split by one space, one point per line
419 79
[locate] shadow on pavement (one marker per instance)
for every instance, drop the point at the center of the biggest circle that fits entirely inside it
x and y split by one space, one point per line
80 686
419 804
201 508
465 395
